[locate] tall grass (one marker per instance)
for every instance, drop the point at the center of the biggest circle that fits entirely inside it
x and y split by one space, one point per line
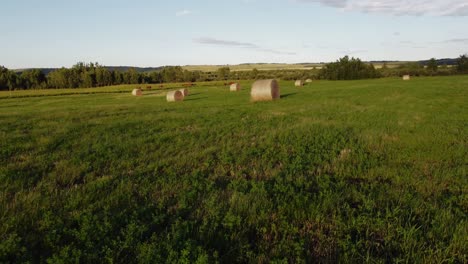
355 171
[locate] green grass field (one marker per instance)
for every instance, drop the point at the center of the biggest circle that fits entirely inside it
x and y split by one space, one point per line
258 66
351 171
272 66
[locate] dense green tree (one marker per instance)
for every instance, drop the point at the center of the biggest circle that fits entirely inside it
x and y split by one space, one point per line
223 73
88 79
432 65
348 69
8 79
188 76
4 76
59 78
462 63
156 77
88 75
254 74
117 77
196 75
74 78
33 79
168 74
172 74
80 75
132 76
103 77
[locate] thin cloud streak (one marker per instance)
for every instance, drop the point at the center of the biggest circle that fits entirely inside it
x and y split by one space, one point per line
352 52
230 43
457 40
218 42
184 12
399 7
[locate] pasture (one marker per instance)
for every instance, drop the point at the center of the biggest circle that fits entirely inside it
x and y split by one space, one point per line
274 66
350 171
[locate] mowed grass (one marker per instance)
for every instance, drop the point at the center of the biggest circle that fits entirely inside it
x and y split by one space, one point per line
258 66
126 88
274 66
350 171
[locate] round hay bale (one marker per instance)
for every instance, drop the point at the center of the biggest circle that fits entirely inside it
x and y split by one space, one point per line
137 92
184 91
308 81
406 77
175 96
265 90
299 83
235 87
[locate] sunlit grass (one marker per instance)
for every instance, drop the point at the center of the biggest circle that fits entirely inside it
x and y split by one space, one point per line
354 171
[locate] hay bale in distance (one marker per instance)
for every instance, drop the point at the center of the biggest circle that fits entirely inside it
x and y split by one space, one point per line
406 77
308 81
265 90
184 91
235 87
299 83
175 96
137 92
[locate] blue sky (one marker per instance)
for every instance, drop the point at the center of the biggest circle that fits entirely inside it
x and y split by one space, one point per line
56 33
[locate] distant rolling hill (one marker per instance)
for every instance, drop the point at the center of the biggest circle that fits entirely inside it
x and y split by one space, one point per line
111 68
441 62
250 66
138 69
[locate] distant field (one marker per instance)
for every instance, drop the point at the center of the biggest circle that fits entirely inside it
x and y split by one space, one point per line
345 171
258 66
272 66
100 90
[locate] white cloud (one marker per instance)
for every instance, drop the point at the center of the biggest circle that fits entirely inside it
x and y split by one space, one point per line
184 12
230 43
400 7
353 52
219 42
457 40
333 3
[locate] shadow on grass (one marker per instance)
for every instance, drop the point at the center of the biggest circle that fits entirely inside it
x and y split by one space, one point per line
287 95
192 94
152 93
195 99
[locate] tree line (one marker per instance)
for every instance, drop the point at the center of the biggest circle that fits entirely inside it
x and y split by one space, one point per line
88 75
431 68
348 69
353 69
